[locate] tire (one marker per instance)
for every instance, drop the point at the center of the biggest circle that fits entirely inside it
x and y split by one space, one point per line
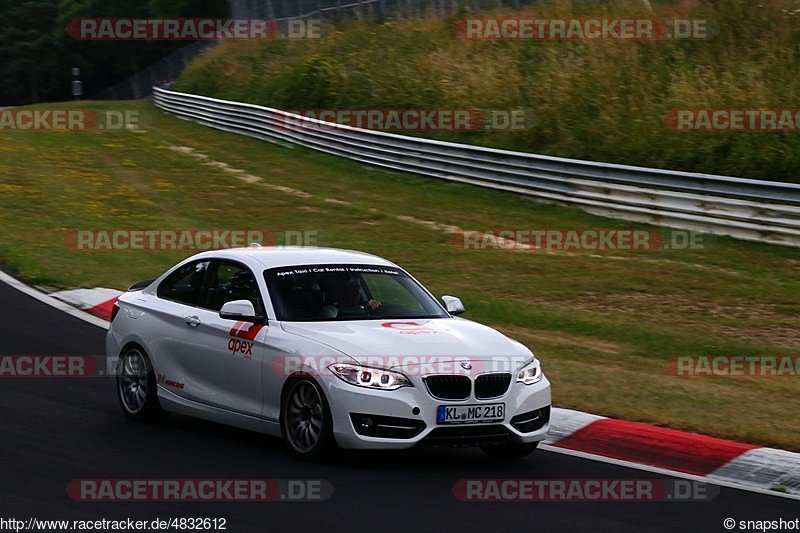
137 389
306 421
509 451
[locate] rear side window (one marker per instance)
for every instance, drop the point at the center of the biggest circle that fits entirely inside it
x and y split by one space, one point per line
185 284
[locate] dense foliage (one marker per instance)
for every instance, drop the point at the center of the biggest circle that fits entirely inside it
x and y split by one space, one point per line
36 53
591 99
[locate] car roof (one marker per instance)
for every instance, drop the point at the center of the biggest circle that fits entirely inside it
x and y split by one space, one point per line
282 256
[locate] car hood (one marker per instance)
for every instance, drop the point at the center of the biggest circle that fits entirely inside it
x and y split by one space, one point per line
404 343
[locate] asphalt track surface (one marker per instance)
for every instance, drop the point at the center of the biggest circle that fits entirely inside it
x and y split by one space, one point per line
56 430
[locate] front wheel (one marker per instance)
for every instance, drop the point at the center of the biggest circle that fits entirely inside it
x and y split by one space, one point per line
306 421
509 451
137 388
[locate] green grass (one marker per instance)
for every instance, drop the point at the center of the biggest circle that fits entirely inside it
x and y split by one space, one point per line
602 100
603 324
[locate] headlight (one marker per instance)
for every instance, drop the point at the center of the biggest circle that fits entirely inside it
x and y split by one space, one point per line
530 373
371 378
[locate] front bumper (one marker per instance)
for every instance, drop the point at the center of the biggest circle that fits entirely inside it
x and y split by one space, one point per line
407 417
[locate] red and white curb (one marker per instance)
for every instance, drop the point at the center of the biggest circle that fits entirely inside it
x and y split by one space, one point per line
97 302
716 460
631 444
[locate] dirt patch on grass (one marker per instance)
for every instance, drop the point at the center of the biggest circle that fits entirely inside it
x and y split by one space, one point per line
533 337
741 321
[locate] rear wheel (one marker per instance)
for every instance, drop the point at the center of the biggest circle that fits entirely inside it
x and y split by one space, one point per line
306 421
509 451
137 388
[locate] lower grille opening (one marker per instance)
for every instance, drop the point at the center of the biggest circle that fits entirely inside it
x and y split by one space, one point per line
532 420
386 427
449 387
467 436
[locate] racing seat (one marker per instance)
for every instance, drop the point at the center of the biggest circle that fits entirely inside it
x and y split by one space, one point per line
243 286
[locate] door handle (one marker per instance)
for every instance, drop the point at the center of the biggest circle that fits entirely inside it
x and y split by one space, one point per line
192 321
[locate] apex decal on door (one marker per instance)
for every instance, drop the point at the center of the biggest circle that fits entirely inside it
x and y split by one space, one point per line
245 348
246 331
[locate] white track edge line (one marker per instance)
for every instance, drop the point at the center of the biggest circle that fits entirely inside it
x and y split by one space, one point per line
52 302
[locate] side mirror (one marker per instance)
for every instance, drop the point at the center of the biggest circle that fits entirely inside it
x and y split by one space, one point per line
453 305
241 311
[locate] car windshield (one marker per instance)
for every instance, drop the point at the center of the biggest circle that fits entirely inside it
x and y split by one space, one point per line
348 292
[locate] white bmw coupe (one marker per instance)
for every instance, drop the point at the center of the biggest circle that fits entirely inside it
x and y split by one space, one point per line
323 347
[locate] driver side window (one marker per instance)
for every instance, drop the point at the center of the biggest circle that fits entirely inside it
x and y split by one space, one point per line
230 282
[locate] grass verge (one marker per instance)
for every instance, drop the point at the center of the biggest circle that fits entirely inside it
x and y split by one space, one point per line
604 324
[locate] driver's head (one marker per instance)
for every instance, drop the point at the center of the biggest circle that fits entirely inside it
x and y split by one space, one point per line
350 293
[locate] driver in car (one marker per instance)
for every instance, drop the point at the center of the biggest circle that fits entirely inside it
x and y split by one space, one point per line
349 301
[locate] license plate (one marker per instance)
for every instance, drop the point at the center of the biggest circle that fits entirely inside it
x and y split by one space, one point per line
471 414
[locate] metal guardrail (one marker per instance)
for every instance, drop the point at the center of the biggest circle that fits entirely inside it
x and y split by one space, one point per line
763 211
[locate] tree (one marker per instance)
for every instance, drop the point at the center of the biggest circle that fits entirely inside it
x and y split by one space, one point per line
27 44
36 52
